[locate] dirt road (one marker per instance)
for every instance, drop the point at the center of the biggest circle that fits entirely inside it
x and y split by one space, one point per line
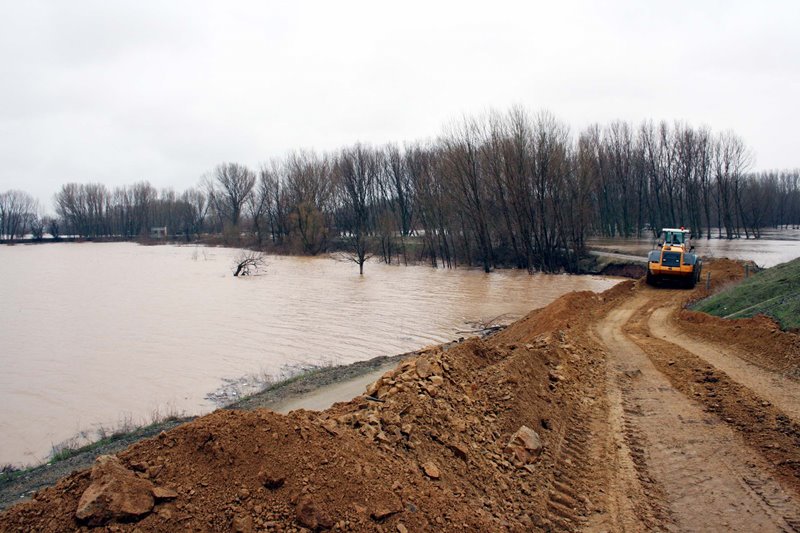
772 386
694 469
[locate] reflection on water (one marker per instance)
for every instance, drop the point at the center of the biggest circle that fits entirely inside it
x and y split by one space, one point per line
95 332
775 247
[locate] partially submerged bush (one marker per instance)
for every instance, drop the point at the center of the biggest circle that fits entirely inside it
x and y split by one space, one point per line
248 262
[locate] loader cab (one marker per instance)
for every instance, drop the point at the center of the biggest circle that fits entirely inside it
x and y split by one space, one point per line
675 237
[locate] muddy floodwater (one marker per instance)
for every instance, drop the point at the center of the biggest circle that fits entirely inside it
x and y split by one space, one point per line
99 335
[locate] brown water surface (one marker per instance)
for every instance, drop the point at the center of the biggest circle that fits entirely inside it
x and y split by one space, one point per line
101 334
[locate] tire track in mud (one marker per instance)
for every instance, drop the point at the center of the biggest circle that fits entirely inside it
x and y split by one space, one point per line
711 480
566 501
579 496
634 501
779 390
763 426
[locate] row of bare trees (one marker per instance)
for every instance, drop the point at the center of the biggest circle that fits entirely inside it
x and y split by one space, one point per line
513 189
92 210
770 200
665 175
509 188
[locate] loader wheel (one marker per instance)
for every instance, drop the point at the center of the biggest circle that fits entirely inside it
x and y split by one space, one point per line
650 279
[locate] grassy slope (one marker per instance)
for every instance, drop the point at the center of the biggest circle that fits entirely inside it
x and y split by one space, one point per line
774 292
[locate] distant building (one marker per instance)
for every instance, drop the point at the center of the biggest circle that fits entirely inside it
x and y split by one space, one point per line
158 233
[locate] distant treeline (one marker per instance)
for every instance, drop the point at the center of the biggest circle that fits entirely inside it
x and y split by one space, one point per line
513 189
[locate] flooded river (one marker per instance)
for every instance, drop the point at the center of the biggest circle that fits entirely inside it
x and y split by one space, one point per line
97 335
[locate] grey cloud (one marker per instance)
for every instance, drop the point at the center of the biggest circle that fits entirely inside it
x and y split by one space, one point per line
123 91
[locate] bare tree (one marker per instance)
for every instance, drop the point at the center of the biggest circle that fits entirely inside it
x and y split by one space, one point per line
86 208
17 210
248 262
232 186
356 173
258 205
192 212
731 159
434 212
394 199
52 226
309 189
461 158
36 226
272 181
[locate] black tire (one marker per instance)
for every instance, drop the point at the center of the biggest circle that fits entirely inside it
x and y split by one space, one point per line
650 279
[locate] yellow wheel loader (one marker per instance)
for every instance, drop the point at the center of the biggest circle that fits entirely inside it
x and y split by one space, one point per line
674 259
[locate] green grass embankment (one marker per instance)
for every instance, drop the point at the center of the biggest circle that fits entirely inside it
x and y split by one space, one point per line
774 292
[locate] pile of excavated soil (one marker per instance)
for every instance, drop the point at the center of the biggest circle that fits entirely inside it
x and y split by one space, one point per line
465 439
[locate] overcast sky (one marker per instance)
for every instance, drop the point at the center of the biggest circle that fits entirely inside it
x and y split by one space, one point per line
117 91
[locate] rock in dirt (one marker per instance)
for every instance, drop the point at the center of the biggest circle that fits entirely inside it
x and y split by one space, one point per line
431 470
115 493
385 511
270 481
309 515
330 427
243 524
424 368
372 388
459 450
163 493
525 445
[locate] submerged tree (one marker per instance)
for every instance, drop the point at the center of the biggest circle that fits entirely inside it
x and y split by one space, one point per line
356 173
248 262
